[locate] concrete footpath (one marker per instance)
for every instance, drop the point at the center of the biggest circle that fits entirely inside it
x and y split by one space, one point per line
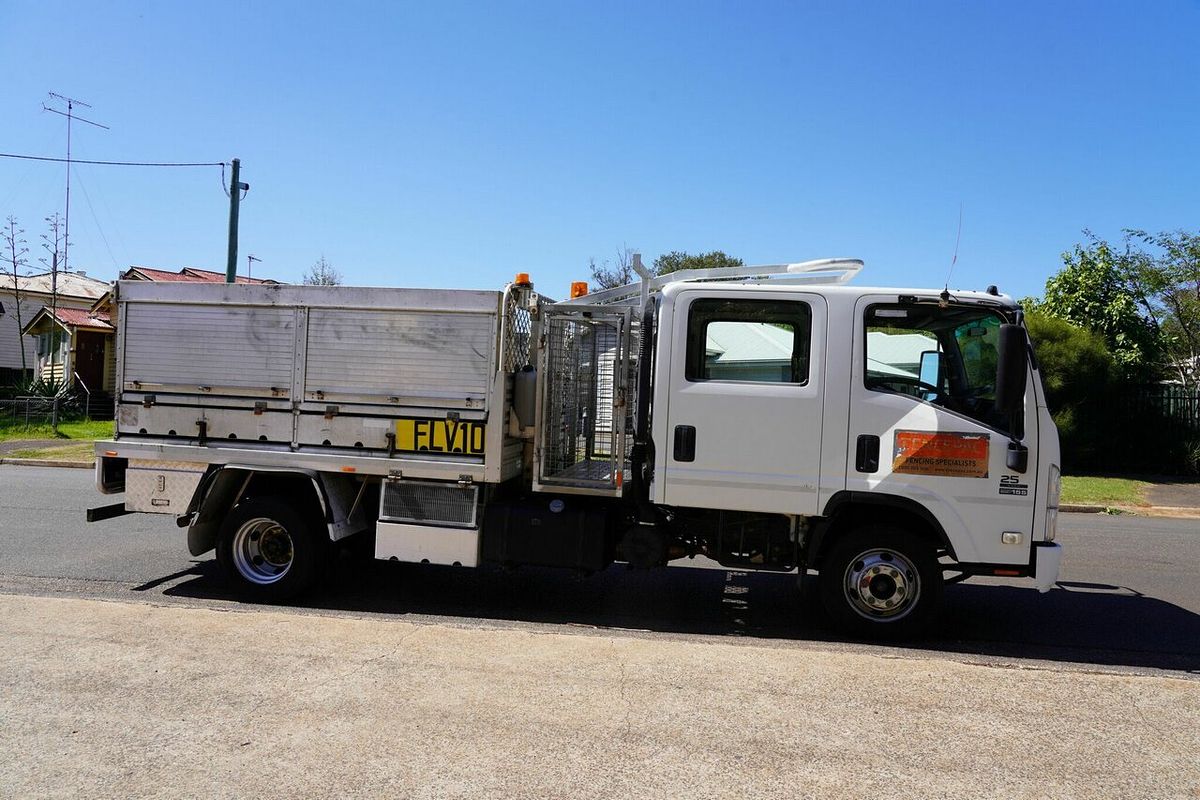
107 699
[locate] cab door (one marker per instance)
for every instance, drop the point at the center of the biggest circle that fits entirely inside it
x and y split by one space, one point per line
744 401
923 425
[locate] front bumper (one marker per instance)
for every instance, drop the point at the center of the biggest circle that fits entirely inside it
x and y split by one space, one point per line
1047 561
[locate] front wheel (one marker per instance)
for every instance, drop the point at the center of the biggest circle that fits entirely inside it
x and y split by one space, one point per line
882 582
268 551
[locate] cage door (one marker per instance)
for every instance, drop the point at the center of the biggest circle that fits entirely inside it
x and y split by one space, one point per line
584 410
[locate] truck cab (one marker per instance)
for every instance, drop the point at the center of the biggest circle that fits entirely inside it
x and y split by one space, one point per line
870 418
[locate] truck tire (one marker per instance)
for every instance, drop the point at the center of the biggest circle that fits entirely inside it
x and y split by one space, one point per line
269 552
881 581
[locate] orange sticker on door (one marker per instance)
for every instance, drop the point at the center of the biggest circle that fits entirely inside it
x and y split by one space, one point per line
955 455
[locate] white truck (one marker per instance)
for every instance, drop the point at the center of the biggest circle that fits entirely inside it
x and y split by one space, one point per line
766 418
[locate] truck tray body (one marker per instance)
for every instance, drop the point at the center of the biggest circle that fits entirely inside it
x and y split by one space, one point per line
393 379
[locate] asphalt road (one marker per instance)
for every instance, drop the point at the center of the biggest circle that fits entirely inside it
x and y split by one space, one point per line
1129 596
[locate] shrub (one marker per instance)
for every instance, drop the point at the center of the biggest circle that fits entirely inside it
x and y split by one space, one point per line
40 387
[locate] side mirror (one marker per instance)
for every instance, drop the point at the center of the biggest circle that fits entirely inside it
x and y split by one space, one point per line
1012 368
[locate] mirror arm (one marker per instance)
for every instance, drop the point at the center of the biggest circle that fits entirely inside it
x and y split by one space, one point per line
1017 457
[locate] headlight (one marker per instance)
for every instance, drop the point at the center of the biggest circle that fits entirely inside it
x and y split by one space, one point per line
1055 491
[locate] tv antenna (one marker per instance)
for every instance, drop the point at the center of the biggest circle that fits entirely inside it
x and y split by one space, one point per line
249 262
70 102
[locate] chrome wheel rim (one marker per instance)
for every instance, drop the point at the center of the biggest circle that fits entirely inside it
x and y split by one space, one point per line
262 551
882 585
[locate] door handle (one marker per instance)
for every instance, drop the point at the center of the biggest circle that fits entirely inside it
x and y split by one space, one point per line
685 443
867 453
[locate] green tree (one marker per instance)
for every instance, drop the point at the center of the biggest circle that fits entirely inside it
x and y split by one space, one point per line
1096 290
1164 270
54 242
611 274
322 273
619 272
16 262
1075 363
1077 370
677 260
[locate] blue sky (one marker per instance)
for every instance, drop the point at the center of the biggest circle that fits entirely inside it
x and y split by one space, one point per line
451 144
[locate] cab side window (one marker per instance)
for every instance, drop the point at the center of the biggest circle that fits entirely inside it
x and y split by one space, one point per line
944 356
764 341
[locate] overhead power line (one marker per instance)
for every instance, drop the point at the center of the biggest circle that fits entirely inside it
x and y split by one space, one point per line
117 163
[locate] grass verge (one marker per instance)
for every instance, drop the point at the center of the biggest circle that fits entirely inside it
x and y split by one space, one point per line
80 451
83 429
1091 491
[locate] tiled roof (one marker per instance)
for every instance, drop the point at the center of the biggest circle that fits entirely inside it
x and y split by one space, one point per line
219 277
145 273
83 318
70 284
188 275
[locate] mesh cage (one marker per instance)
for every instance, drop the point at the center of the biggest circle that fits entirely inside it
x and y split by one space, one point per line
517 330
587 414
429 503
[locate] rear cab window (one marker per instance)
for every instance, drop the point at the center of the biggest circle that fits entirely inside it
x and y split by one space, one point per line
763 341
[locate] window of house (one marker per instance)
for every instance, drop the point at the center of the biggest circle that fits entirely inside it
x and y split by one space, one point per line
765 341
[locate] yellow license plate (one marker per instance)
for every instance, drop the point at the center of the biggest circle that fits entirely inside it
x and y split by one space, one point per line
461 437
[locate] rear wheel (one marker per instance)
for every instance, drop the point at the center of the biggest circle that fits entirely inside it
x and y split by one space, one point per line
881 581
269 552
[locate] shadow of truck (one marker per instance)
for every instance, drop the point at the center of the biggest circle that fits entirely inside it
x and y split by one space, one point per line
1097 624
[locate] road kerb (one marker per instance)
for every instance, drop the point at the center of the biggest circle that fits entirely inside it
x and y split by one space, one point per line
1182 512
47 462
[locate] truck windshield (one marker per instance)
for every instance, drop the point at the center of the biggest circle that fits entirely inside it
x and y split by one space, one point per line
944 356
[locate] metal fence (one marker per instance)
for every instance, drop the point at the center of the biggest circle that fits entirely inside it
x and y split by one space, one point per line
98 406
32 411
1153 429
1176 404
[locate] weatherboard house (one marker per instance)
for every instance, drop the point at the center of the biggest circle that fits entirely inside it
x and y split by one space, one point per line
73 293
75 346
83 325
